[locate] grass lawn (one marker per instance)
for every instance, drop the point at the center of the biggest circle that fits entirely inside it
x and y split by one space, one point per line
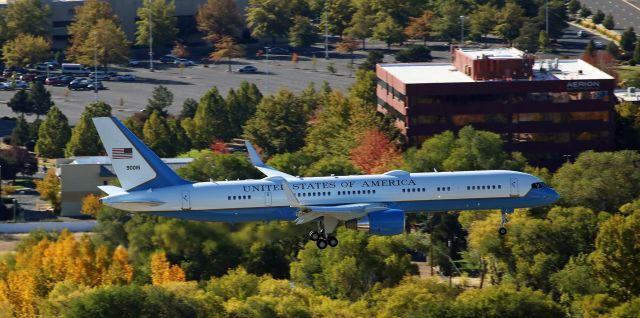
626 72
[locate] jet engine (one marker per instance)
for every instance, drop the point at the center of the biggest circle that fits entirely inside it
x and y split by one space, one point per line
387 222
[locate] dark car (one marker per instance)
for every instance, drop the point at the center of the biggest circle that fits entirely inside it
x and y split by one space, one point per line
53 80
93 84
28 77
168 59
40 78
79 84
248 69
277 50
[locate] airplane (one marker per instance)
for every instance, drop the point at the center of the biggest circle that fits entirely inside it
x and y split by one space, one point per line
377 204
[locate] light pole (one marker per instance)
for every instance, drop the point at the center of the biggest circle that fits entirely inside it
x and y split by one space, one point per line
326 30
546 17
461 30
266 82
150 42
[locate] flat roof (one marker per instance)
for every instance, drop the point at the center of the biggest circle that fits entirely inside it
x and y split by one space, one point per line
495 53
425 73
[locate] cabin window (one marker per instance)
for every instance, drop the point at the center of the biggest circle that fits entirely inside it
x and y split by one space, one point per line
374 191
249 197
493 187
448 188
499 186
229 198
424 190
234 197
438 188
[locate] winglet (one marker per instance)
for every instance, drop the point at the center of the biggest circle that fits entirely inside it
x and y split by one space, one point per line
257 162
291 197
253 155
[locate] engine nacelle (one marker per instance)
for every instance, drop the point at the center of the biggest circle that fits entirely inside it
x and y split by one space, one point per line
387 222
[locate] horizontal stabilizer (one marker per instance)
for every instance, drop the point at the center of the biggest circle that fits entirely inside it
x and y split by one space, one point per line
112 190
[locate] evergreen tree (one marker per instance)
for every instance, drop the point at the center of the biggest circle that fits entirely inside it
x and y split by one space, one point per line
21 103
211 121
40 98
613 49
189 108
584 11
302 32
628 40
178 136
573 6
364 88
161 15
161 98
157 135
608 22
279 124
636 52
590 50
598 17
21 132
53 135
84 136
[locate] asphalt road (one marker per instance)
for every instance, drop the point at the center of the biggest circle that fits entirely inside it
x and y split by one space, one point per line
572 46
626 13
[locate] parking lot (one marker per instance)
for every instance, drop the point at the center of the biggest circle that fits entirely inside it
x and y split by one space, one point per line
127 98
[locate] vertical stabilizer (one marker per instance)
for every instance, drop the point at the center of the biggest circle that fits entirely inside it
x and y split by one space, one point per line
137 167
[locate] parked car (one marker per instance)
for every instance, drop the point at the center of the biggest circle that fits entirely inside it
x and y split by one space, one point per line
52 64
20 85
93 84
168 58
40 78
79 84
44 67
101 76
126 77
184 62
6 86
133 62
277 50
599 45
582 34
248 69
28 77
53 80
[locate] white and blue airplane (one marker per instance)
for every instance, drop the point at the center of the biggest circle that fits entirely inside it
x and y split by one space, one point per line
374 203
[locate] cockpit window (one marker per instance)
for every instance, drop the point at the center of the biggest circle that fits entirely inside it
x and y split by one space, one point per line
538 185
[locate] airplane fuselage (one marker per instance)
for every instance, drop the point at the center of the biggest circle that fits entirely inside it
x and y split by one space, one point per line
265 199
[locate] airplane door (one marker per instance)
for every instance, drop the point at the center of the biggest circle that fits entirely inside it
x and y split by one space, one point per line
186 200
513 188
267 198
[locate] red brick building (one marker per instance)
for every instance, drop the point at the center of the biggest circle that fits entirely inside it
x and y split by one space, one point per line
546 109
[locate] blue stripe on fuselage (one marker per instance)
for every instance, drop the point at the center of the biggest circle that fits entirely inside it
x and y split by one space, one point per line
535 197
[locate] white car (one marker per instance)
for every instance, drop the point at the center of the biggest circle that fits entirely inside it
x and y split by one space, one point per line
126 77
184 62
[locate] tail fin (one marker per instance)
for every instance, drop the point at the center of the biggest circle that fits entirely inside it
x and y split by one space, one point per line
137 167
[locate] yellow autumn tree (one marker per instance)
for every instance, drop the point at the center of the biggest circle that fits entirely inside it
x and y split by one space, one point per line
163 272
91 205
49 189
120 272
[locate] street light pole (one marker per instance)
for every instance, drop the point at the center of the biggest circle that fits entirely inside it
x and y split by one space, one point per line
546 17
326 30
461 31
95 64
150 42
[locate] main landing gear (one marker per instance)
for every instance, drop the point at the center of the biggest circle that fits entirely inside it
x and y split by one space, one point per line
323 237
504 220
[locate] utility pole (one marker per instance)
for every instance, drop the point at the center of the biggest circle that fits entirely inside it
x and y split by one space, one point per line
461 31
546 17
266 82
95 64
326 30
150 40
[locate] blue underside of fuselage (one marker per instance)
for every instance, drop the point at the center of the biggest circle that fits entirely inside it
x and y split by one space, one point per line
284 213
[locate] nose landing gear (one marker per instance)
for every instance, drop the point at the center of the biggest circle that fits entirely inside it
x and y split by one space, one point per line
323 237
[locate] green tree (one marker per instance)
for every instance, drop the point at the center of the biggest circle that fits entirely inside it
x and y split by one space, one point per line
208 165
20 133
242 106
510 20
189 108
628 39
219 18
161 99
557 17
414 53
84 20
573 6
84 136
49 189
106 42
543 41
362 22
339 14
302 32
40 98
584 11
27 17
363 89
211 121
628 309
389 31
529 38
25 49
617 245
608 22
514 302
471 150
279 124
483 20
21 103
598 17
587 181
53 135
269 18
178 136
339 166
373 58
161 15
156 134
613 49
576 279
448 23
636 52
589 50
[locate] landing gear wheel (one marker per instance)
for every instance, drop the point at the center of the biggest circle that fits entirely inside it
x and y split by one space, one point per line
322 244
314 236
502 231
333 241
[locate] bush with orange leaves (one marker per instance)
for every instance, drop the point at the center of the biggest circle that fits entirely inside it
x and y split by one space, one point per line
163 272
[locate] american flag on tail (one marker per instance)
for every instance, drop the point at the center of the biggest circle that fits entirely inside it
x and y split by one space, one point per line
121 153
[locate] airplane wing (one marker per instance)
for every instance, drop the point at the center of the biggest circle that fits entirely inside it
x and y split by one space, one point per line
343 212
257 162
